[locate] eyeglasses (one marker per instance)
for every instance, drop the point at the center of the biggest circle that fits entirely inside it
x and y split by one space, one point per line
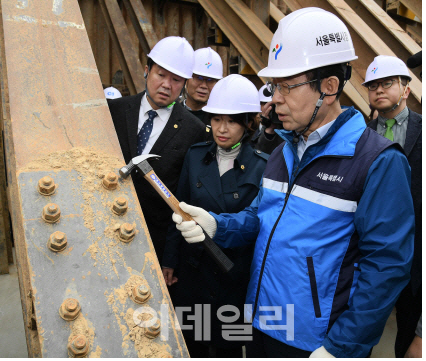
284 88
386 84
199 79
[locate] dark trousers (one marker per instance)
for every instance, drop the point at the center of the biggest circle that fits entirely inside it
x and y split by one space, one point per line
198 350
408 311
264 346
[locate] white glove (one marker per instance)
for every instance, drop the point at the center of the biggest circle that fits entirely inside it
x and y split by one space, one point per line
191 231
321 353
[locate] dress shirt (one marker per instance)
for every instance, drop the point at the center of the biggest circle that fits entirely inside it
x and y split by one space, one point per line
313 138
160 122
399 128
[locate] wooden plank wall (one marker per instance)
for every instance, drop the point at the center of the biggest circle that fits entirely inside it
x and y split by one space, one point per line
167 18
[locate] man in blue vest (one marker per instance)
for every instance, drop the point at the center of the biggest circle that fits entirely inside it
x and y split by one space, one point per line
333 221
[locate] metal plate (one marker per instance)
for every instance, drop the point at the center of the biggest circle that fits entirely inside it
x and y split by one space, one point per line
93 269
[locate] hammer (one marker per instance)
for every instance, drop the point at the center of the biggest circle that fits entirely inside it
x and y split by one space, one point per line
141 163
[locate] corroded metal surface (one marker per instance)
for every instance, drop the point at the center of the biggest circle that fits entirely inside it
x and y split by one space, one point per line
57 124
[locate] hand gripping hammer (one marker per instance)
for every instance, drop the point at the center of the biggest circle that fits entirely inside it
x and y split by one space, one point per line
141 163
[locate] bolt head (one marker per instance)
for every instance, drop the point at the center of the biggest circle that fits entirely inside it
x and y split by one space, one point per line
127 232
51 213
110 181
71 305
154 330
140 294
47 181
121 201
57 241
80 342
69 309
59 236
46 186
78 346
143 290
120 206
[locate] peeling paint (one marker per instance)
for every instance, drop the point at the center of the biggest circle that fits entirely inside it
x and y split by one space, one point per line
22 4
57 7
25 18
68 24
88 70
90 103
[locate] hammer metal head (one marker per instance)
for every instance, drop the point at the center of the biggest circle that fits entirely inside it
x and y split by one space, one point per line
127 169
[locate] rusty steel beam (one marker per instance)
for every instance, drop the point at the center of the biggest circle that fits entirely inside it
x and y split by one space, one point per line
128 56
75 236
143 27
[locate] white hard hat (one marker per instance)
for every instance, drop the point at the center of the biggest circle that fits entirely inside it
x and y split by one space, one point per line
233 94
384 66
307 39
112 93
263 97
208 63
174 54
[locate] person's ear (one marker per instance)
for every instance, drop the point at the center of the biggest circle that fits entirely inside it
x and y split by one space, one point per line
330 85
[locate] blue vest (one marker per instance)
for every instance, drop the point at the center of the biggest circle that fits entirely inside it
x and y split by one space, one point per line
307 249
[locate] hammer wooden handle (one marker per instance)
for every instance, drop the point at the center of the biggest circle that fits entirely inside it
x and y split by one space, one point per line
212 248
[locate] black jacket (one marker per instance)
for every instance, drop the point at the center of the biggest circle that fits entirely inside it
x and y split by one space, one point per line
182 130
199 279
413 151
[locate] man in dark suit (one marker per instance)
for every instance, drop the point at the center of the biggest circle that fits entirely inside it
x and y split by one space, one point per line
387 80
154 122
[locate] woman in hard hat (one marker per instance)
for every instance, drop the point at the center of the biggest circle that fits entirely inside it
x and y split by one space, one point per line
220 176
208 69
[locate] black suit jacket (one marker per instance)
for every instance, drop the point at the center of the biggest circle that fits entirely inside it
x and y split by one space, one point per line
181 131
413 151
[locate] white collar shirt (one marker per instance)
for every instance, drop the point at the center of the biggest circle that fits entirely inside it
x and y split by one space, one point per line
160 121
313 138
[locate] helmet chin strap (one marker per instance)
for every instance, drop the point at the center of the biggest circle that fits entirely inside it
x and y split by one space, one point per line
242 138
391 109
296 135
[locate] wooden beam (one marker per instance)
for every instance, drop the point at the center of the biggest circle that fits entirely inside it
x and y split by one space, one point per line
243 28
415 6
276 13
392 26
371 38
127 55
386 28
143 27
